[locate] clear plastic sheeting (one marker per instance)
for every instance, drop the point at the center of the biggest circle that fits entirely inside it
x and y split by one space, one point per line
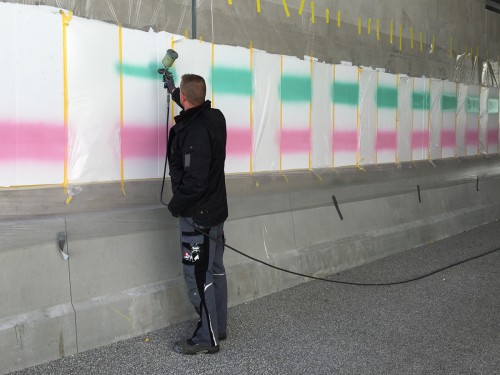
283 113
32 133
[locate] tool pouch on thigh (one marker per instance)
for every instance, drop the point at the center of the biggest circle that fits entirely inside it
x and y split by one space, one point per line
192 246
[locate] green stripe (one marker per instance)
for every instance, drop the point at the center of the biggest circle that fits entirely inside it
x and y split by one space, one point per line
387 97
472 104
149 71
295 88
226 80
421 101
492 106
345 93
449 103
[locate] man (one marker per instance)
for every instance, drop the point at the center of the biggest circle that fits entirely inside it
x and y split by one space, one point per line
196 155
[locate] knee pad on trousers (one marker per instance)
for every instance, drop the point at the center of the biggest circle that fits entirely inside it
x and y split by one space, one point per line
191 253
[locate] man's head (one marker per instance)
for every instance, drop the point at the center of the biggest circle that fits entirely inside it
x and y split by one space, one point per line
193 90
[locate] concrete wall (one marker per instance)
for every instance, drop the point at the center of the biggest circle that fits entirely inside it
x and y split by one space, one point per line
123 277
466 22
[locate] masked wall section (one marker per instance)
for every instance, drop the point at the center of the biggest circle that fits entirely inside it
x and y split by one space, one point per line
283 113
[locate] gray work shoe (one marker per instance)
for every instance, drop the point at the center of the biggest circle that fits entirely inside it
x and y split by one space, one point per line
189 347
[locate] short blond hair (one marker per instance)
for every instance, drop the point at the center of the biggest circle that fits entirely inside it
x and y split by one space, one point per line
193 87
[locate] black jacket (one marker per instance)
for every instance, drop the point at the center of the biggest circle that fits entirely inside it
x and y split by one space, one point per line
196 155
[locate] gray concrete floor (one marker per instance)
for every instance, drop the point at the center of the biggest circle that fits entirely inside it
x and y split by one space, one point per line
447 323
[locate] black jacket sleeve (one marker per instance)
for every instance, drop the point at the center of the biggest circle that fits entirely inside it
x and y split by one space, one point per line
176 97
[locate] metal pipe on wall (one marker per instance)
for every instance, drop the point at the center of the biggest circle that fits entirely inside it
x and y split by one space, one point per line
193 19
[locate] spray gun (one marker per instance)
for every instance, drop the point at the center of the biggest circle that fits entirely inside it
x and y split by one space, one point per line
167 62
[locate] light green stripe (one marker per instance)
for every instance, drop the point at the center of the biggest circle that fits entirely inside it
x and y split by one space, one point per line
139 71
449 103
295 88
421 101
472 104
492 106
387 97
227 80
345 93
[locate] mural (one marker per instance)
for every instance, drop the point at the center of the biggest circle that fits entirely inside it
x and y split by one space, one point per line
81 101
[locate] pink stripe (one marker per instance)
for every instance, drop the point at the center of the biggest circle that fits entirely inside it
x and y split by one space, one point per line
32 141
492 136
448 138
143 142
239 141
345 140
294 141
472 137
387 140
420 139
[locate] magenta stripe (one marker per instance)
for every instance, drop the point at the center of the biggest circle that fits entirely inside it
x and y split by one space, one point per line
32 141
448 138
492 136
420 139
239 141
472 137
345 140
294 141
387 140
143 142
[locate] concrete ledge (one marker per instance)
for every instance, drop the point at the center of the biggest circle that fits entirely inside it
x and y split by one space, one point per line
124 276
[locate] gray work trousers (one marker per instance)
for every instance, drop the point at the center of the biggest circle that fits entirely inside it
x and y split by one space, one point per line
205 278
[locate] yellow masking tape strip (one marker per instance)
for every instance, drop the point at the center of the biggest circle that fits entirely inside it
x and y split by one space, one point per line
451 46
411 37
120 57
377 25
212 69
312 12
392 32
285 6
281 109
258 6
412 121
429 125
65 22
376 122
397 118
369 27
357 120
456 120
172 46
421 42
327 15
310 113
230 2
333 118
301 8
201 39
338 18
400 37
186 34
360 26
251 109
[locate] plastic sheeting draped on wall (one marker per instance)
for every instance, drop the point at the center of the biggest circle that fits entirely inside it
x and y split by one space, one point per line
282 113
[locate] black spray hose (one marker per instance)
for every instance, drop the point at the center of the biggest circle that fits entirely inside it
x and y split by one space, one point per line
293 272
339 281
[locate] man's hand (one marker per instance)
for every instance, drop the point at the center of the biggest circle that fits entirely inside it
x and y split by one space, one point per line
174 214
168 80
